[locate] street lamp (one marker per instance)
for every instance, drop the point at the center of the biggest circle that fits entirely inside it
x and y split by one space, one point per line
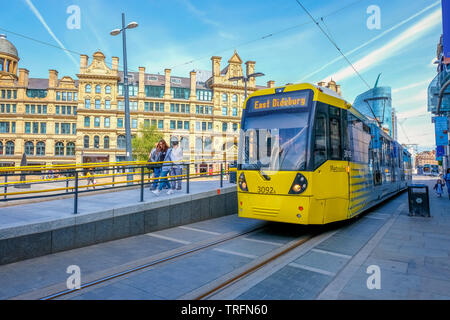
246 79
116 32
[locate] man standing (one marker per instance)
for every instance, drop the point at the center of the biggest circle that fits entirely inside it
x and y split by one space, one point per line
177 169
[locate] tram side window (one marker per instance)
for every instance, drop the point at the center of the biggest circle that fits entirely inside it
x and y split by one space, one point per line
335 134
320 140
360 137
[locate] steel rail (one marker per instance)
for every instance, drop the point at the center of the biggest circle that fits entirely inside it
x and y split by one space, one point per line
147 265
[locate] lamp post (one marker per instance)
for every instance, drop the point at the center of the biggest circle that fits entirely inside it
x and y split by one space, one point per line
116 32
246 79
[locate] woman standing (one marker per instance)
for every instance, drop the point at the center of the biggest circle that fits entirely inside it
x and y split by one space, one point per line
154 157
177 170
165 155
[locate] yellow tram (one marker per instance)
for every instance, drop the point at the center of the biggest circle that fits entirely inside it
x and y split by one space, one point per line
306 156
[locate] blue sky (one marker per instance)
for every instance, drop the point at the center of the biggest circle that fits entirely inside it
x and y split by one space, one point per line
172 33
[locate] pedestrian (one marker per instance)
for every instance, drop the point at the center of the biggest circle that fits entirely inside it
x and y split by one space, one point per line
90 179
439 187
447 181
164 156
154 157
177 169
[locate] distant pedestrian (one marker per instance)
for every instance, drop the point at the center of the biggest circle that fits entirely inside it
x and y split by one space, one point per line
439 187
154 157
165 155
177 169
90 179
447 181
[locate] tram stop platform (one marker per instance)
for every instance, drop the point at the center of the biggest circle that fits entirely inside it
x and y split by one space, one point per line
40 228
411 252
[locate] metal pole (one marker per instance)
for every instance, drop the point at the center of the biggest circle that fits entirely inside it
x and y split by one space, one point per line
142 184
221 175
6 186
187 178
75 210
126 96
245 82
67 185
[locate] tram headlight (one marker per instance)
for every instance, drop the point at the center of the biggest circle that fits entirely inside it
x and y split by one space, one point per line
299 185
242 182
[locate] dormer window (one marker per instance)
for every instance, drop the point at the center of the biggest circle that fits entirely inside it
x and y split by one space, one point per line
175 80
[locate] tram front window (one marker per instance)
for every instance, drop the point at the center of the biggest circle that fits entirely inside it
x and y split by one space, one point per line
273 149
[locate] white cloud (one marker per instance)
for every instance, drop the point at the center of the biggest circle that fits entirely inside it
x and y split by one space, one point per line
411 86
420 97
407 37
41 19
398 25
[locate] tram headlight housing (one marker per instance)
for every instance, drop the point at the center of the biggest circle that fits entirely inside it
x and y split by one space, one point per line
242 183
299 185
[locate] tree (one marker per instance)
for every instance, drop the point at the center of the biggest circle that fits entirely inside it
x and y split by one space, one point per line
145 141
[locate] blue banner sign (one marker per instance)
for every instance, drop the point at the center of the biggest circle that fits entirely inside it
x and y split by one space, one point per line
446 27
440 152
279 102
441 127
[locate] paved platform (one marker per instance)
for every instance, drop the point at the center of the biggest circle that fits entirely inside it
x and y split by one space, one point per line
30 230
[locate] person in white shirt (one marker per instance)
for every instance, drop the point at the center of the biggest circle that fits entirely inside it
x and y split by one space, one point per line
177 169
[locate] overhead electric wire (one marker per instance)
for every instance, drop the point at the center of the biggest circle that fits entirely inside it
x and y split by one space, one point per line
333 42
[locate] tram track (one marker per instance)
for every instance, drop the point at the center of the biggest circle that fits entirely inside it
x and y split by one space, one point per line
155 262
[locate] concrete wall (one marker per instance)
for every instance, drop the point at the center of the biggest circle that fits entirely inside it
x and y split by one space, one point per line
26 243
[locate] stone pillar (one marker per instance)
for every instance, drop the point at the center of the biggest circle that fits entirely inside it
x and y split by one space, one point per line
115 63
24 75
193 94
52 78
250 70
141 81
216 66
167 93
83 62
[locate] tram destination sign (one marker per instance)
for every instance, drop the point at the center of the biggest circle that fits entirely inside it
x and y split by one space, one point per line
279 102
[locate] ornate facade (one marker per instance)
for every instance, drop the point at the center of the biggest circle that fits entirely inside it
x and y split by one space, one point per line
66 120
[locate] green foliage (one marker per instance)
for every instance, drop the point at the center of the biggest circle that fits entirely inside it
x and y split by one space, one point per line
145 141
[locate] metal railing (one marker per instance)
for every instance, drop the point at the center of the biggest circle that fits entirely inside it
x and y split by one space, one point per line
114 178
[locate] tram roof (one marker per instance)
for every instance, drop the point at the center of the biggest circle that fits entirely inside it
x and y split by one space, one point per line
320 94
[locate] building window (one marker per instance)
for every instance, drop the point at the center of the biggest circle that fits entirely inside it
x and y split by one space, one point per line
234 98
97 104
180 93
154 91
98 89
86 142
35 127
107 122
160 124
96 142
74 128
172 124
106 142
87 88
224 126
27 127
58 95
59 149
134 123
108 90
119 123
97 122
40 148
235 112
87 122
87 103
186 125
121 143
224 111
224 97
235 127
64 96
29 148
70 149
9 148
120 105
43 128
107 104
210 126
69 96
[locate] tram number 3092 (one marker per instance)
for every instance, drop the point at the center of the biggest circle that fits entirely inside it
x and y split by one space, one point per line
265 190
